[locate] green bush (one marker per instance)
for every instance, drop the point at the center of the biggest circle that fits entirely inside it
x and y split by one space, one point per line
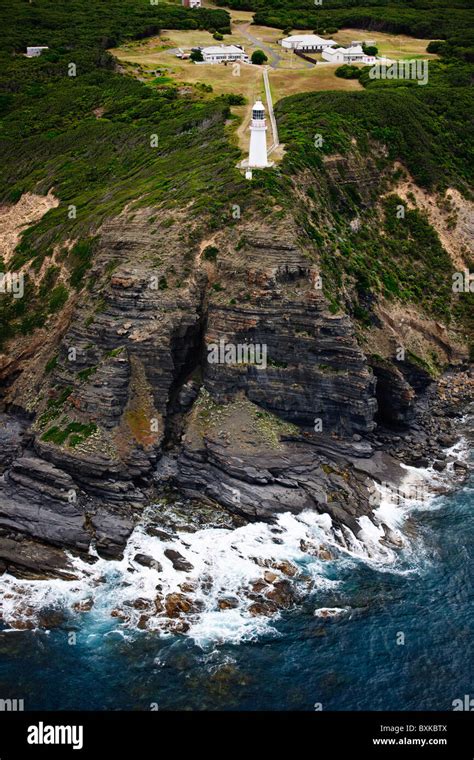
210 253
235 99
258 57
51 364
80 259
348 72
58 298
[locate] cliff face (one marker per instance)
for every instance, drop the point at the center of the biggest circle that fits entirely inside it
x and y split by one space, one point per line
315 369
131 401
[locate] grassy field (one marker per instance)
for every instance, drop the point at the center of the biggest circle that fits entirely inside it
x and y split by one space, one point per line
154 58
286 83
292 75
235 15
394 46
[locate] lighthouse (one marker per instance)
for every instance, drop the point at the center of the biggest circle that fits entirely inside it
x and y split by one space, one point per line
258 138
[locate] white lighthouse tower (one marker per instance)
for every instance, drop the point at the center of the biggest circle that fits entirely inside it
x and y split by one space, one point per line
258 158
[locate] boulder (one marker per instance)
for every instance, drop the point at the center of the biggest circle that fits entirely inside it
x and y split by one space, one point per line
84 605
178 561
227 603
147 561
269 576
175 604
265 607
141 604
285 567
281 594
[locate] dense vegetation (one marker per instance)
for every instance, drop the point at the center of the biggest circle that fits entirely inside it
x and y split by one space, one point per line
427 128
420 18
412 122
76 25
397 256
102 140
99 139
89 134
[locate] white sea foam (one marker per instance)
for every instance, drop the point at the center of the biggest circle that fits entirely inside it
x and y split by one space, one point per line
331 612
226 563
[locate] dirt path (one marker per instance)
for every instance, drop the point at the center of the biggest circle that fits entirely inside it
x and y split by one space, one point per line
273 57
271 113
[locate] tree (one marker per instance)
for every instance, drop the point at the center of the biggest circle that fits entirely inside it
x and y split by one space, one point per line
196 55
370 49
435 46
218 36
348 72
258 57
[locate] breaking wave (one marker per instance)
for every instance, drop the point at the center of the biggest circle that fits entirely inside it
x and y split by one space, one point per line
227 585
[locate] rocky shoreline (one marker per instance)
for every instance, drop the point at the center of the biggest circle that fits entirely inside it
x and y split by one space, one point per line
221 486
139 415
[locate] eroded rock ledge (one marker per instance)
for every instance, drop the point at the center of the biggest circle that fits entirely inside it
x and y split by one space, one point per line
132 407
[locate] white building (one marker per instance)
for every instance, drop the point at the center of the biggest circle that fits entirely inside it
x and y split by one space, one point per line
191 3
258 157
353 54
307 43
222 53
34 52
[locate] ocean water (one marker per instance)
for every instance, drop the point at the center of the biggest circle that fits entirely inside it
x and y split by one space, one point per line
375 628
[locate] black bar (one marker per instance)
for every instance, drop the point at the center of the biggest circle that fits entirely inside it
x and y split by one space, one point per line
158 734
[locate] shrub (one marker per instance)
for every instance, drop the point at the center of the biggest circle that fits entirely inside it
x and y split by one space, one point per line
58 298
348 72
258 57
51 364
435 46
210 253
234 99
81 259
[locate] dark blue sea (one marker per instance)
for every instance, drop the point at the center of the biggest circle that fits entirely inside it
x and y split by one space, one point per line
404 643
